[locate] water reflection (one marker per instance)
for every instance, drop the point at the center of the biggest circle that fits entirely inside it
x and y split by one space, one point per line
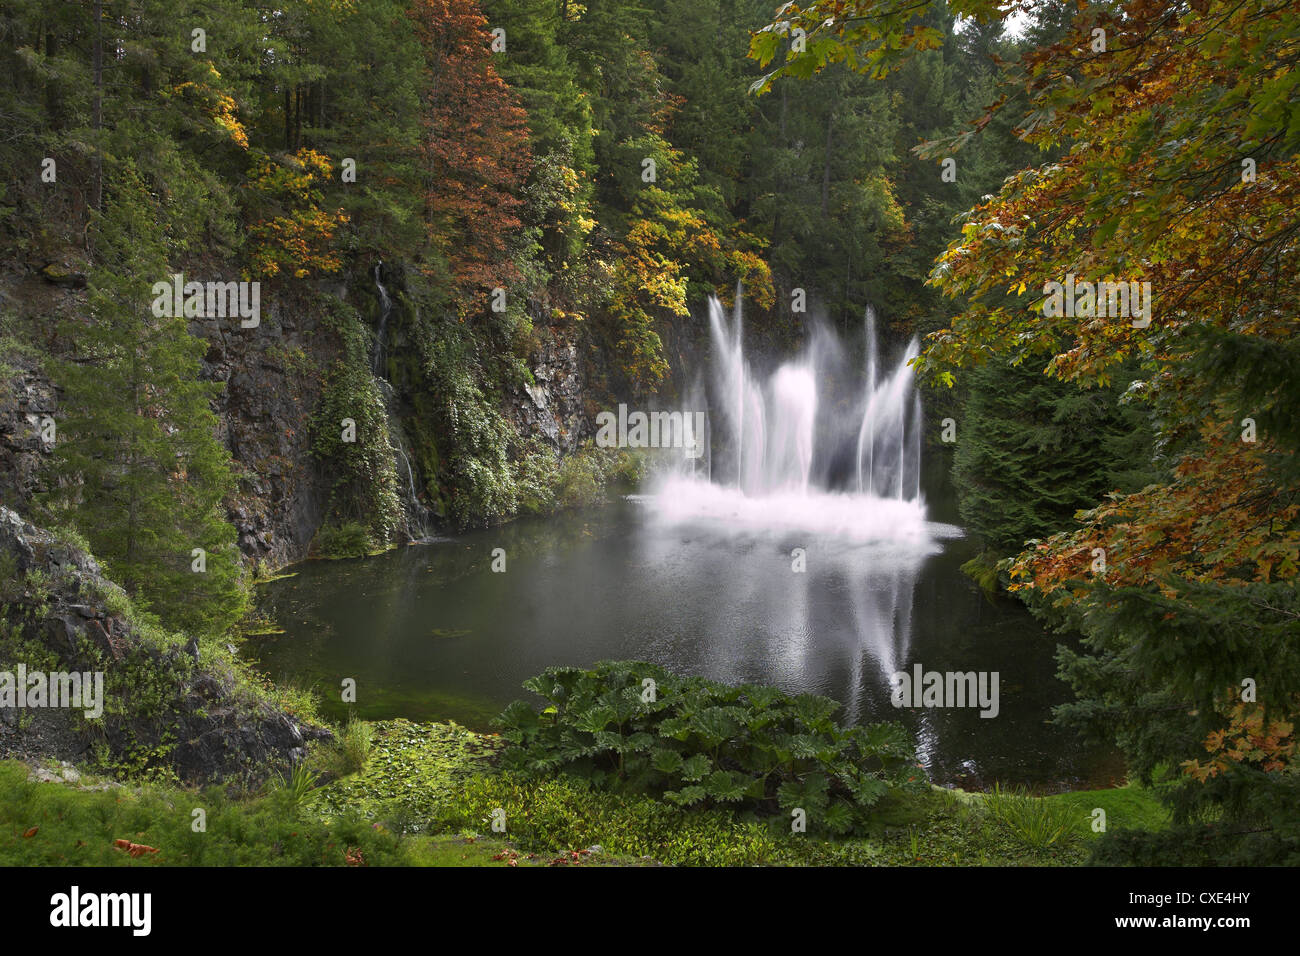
430 632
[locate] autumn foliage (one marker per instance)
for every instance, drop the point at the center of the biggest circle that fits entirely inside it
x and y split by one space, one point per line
1174 137
294 232
475 151
1180 173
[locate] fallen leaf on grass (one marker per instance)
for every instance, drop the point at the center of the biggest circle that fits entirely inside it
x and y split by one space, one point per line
134 849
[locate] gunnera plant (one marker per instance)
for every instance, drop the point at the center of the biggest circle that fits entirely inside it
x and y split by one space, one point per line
631 726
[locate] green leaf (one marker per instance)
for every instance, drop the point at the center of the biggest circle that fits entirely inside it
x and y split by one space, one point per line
687 796
595 719
726 786
694 768
666 761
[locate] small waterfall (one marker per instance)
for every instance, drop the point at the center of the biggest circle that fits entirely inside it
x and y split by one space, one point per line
416 514
379 359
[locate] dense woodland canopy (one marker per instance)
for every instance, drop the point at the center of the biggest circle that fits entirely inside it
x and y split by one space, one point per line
798 150
1173 132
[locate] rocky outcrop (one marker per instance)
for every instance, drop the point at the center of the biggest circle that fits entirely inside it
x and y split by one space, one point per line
554 404
271 375
272 383
27 407
164 705
273 378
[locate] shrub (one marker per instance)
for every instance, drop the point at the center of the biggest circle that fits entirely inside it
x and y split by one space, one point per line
633 727
347 540
581 480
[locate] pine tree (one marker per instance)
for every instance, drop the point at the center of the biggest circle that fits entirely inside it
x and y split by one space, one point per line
1033 451
137 458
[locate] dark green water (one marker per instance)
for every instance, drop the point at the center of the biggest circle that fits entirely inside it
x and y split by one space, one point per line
431 632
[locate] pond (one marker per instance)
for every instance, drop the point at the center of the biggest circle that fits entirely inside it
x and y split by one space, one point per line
787 542
432 632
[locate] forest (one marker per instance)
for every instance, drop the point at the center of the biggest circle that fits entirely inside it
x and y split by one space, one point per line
322 288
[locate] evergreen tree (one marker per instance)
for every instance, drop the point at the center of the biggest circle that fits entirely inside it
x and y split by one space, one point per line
1033 450
138 463
350 90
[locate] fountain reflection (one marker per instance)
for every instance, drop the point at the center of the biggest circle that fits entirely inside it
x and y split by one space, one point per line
863 535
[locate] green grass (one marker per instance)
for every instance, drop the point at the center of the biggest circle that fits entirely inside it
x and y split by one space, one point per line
1128 808
426 797
355 740
47 824
1036 822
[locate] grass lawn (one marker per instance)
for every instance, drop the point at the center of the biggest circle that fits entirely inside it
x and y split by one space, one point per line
428 795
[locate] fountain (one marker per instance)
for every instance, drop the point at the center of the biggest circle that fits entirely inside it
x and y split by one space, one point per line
821 458
778 443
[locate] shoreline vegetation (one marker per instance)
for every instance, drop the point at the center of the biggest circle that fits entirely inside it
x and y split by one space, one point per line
426 795
564 785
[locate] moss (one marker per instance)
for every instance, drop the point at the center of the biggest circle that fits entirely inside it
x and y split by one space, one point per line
983 570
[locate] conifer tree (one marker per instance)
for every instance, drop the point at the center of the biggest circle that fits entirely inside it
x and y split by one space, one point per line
137 457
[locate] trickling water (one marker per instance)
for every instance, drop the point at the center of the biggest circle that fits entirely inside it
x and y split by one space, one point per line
379 359
417 515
